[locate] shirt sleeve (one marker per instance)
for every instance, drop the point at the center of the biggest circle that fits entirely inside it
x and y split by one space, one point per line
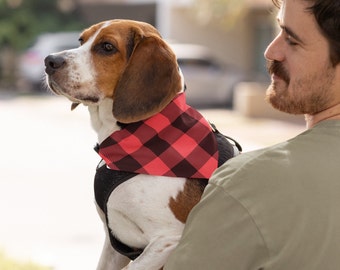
219 234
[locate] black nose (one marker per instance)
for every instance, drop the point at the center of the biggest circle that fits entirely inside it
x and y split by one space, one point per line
53 62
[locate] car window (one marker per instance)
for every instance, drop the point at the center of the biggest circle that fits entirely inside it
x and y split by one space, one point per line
197 63
66 47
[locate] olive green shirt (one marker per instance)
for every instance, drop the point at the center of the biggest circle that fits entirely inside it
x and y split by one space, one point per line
274 208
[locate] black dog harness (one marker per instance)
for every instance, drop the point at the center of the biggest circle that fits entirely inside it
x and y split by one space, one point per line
106 180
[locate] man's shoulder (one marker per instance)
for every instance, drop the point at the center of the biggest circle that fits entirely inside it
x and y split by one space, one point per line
264 163
260 157
281 160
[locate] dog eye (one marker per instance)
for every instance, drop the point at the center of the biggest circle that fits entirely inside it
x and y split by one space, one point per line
108 47
105 48
81 41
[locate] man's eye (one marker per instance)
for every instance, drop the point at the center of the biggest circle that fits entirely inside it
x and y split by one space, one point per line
290 41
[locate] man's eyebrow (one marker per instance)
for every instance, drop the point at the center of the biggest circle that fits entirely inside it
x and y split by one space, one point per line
290 32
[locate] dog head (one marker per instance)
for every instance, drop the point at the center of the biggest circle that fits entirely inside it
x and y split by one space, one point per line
120 59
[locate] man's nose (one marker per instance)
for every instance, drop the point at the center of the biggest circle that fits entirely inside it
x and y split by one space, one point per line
275 50
53 63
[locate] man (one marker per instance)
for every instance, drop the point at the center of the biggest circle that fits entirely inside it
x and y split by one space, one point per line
279 207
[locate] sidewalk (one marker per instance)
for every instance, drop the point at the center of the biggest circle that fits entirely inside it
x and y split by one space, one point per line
46 177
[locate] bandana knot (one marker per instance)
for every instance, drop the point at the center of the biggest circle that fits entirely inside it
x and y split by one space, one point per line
176 142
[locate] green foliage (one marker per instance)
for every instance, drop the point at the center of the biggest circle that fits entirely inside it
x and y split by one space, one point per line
22 20
222 12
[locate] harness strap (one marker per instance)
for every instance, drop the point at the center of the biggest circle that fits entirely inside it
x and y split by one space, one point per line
106 180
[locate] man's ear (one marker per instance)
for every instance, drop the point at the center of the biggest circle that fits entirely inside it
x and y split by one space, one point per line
150 81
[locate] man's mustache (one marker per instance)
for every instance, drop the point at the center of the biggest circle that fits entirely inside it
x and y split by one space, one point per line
277 68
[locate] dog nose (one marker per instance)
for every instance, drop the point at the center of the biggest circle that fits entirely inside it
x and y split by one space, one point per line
53 62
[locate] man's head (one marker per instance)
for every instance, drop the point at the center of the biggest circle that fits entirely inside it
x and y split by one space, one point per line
326 13
304 57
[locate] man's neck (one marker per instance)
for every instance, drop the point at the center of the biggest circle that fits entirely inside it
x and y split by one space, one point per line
328 114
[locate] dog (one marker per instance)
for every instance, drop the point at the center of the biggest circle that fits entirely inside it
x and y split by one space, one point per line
129 79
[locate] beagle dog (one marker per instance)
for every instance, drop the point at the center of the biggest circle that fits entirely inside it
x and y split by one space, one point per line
129 79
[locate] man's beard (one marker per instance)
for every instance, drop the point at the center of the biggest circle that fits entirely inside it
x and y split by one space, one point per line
306 95
277 68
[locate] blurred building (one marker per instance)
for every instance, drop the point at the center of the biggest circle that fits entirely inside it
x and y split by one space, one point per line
240 42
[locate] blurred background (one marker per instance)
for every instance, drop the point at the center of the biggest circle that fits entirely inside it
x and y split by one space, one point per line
218 42
47 214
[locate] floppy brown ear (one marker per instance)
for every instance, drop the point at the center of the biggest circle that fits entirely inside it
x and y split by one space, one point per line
149 82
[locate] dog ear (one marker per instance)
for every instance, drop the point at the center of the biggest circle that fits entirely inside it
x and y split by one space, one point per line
149 82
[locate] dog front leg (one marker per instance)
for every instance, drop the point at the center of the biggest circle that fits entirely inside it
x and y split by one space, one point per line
155 254
111 259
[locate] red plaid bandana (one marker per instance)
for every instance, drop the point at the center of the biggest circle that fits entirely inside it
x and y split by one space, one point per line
178 142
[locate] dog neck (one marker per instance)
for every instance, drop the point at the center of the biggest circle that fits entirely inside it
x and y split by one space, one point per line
178 142
102 119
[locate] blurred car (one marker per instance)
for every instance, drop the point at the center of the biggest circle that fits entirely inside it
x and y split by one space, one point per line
209 82
31 63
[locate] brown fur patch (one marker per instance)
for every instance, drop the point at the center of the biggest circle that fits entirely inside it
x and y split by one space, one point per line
187 199
149 82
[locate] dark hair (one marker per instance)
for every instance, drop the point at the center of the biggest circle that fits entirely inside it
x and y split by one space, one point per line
327 15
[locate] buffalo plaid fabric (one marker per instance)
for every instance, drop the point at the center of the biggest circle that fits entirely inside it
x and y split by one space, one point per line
178 142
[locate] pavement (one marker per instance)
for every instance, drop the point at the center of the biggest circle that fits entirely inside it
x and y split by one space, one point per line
47 166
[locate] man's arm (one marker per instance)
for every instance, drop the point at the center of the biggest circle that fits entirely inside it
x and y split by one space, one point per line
219 234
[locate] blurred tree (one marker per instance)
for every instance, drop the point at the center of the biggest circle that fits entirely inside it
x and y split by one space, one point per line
22 20
222 12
